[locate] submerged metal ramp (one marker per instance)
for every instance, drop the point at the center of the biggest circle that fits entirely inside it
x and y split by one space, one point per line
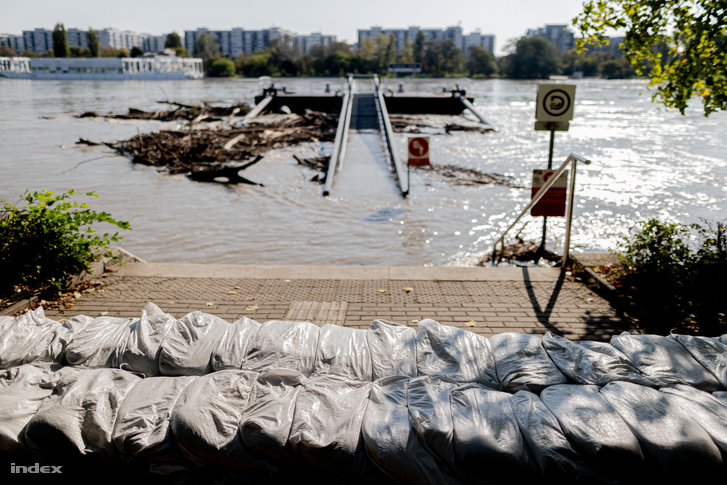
364 112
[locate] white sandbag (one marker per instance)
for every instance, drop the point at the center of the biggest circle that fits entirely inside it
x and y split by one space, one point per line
142 425
265 426
141 350
79 416
391 442
207 415
707 410
592 425
343 352
488 445
431 417
393 349
523 364
668 436
22 391
232 347
326 431
665 358
188 345
283 345
555 456
32 337
451 352
597 363
709 352
100 343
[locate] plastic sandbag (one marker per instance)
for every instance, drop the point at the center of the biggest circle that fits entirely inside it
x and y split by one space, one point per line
662 357
667 434
142 345
393 349
207 415
592 425
142 426
705 409
451 352
100 343
22 391
488 445
590 362
709 352
283 345
326 429
79 417
555 456
188 345
391 442
265 426
523 364
232 348
32 338
430 415
343 352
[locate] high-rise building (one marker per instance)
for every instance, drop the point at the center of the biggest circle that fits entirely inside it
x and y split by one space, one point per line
558 35
15 42
454 34
237 40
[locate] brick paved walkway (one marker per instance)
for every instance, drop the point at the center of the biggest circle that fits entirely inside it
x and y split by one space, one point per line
483 300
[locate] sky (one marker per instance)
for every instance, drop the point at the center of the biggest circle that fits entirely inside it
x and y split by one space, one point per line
506 19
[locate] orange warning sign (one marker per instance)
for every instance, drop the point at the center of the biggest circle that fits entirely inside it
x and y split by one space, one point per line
418 150
552 204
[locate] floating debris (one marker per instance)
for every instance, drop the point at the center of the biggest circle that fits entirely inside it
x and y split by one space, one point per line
182 112
466 176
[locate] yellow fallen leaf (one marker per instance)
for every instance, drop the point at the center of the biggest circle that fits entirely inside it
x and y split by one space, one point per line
382 291
232 293
251 308
471 323
407 290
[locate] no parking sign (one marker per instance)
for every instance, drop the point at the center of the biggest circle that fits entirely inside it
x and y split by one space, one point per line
418 148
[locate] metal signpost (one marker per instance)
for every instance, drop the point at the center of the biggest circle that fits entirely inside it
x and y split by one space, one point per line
418 153
553 110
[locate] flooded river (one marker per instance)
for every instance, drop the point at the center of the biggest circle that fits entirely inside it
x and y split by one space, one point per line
646 162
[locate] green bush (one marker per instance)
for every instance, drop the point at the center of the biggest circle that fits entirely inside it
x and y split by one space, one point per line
675 275
220 67
49 240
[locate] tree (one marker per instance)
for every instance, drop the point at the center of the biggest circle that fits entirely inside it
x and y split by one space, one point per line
92 41
6 51
173 41
206 47
481 62
60 42
695 32
136 51
418 49
534 58
221 67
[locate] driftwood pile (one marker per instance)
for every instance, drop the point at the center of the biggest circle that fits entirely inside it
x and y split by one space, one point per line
461 176
435 124
181 112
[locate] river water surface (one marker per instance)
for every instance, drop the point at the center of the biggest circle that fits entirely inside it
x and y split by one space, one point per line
646 162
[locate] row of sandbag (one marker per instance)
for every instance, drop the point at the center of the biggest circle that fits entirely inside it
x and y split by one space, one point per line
418 430
158 344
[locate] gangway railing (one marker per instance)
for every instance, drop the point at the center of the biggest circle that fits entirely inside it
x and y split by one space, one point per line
572 159
388 135
339 143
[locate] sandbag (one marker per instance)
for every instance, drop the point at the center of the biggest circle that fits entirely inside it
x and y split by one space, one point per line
207 415
343 352
555 456
523 364
668 436
326 431
590 362
593 426
707 410
78 418
393 349
488 445
188 345
454 353
709 352
283 345
22 391
32 337
666 359
141 350
430 415
142 425
100 343
391 442
232 347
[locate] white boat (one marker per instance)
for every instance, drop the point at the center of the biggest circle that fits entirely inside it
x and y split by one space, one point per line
151 67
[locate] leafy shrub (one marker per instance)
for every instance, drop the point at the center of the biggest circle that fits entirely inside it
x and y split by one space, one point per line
49 240
675 282
220 67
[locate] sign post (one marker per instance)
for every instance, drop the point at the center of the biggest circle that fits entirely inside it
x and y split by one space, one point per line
553 110
418 153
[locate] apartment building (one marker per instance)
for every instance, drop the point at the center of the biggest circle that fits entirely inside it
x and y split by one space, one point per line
15 42
558 35
454 34
238 41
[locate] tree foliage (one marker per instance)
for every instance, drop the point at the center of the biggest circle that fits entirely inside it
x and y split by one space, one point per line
92 41
221 67
694 32
136 51
206 47
173 41
534 58
60 42
6 51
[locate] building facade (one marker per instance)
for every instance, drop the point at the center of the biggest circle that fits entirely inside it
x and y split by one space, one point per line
15 42
454 34
240 41
558 35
